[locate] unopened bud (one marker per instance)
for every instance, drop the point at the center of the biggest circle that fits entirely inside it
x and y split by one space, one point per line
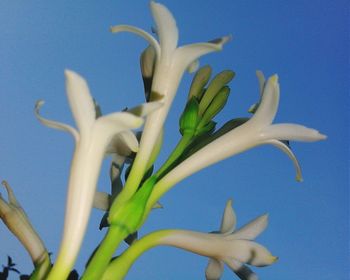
199 81
189 117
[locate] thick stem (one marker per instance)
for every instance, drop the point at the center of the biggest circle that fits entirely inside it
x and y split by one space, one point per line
118 268
104 253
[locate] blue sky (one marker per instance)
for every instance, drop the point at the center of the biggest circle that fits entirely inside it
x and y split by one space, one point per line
305 42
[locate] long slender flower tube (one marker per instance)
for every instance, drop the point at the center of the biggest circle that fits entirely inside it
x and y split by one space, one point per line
91 142
257 131
171 62
16 220
235 248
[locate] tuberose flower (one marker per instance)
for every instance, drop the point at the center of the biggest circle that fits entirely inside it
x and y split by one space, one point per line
248 232
257 131
92 140
236 248
170 64
16 220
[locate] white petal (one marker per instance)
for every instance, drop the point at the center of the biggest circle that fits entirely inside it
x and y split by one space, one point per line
214 269
166 27
267 109
80 101
251 230
261 80
242 271
193 67
184 56
295 132
132 29
101 201
228 222
54 124
284 148
145 108
249 252
123 144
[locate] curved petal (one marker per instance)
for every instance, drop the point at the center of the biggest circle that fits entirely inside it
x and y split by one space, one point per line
123 144
250 252
261 80
145 35
145 108
101 201
295 132
228 222
284 148
184 56
80 101
241 270
214 269
268 106
251 230
166 27
54 124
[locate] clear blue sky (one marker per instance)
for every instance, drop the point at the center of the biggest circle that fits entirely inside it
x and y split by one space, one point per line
305 42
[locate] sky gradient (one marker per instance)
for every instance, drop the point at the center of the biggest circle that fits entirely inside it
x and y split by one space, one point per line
305 42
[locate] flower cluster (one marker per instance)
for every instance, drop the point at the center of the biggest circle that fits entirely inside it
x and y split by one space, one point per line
137 189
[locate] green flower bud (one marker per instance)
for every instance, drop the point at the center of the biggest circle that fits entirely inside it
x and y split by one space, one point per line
189 118
215 106
199 81
219 81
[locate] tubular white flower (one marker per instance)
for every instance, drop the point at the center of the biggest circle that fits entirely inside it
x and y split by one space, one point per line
248 232
235 248
92 139
171 62
256 131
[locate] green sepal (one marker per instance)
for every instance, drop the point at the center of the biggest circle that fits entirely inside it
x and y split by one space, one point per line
205 130
215 106
199 81
189 118
217 83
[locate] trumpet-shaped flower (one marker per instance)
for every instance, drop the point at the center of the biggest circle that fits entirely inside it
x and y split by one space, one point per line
235 248
257 131
18 223
248 232
92 140
170 63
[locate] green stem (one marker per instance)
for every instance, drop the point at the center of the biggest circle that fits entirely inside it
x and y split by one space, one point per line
104 253
175 154
119 267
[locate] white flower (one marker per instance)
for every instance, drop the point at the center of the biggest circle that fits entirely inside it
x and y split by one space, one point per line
171 62
248 232
257 131
16 220
92 141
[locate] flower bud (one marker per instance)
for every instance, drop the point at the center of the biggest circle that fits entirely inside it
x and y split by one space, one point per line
199 81
189 117
217 83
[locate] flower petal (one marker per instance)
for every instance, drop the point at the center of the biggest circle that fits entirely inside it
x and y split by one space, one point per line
145 108
214 269
251 230
80 100
123 144
54 124
228 222
184 56
284 148
145 35
101 201
268 106
261 80
241 270
166 27
249 252
295 132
